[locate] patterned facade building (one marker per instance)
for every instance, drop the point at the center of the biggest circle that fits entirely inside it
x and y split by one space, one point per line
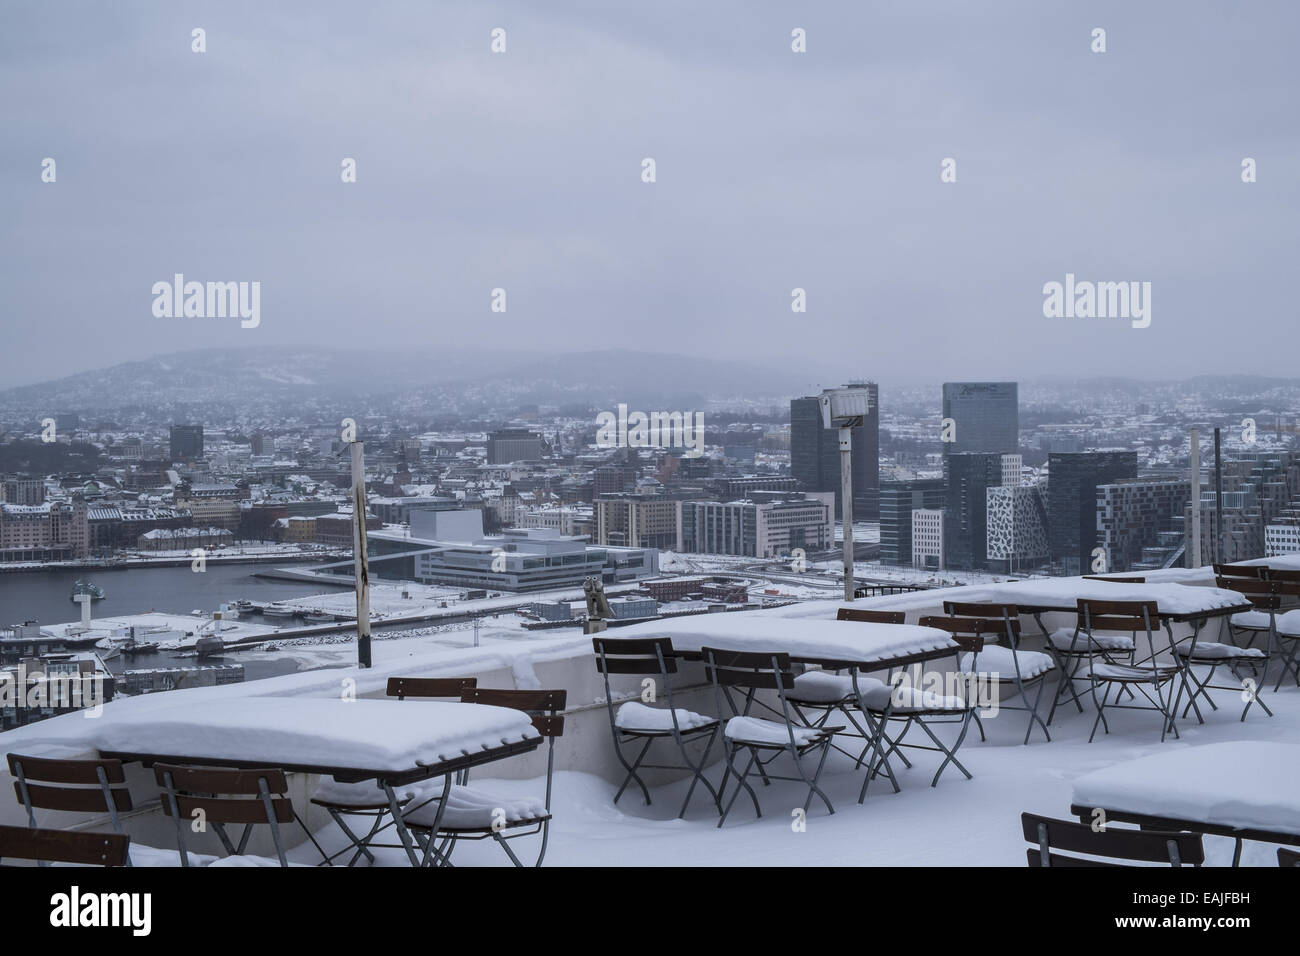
1017 528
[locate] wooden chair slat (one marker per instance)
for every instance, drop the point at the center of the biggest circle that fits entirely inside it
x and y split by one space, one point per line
64 846
453 687
48 770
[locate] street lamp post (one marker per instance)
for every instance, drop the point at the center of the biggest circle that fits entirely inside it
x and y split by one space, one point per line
846 409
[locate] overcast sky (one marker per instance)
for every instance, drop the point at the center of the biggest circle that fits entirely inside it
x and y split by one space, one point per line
775 170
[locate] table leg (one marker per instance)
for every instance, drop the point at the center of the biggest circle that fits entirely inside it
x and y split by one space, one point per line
400 824
1184 666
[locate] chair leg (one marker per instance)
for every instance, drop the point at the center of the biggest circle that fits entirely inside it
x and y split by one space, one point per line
1101 710
812 784
740 782
697 773
631 770
950 755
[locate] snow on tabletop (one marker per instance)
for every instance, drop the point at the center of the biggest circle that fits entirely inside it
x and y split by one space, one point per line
803 638
1171 597
381 735
1248 784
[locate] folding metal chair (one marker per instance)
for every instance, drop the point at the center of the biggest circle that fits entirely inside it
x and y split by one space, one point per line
1002 622
367 799
1132 616
1134 846
1233 656
64 846
826 691
1253 623
1073 647
634 721
216 796
468 813
883 702
758 736
83 786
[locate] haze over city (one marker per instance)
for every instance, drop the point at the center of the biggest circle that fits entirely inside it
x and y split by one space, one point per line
775 171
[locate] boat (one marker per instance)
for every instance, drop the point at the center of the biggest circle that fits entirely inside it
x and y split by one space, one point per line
318 617
133 647
278 610
245 606
85 587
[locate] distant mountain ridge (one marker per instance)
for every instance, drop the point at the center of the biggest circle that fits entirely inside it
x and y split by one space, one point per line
288 373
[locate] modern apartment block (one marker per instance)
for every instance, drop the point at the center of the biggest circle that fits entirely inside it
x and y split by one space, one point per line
638 521
927 539
1132 514
986 416
1258 489
898 499
1282 537
815 454
762 529
1072 502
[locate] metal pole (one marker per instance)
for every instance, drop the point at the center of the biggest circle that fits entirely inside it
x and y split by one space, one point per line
360 560
846 506
1218 501
1194 546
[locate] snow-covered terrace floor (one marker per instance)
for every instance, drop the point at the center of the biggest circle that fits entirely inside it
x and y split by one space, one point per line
959 823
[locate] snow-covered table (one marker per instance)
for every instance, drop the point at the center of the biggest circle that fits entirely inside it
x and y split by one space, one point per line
1177 602
391 742
864 645
1248 790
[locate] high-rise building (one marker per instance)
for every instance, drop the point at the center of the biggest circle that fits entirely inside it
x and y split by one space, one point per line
1132 514
506 445
815 453
986 417
898 499
1072 483
186 442
965 523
